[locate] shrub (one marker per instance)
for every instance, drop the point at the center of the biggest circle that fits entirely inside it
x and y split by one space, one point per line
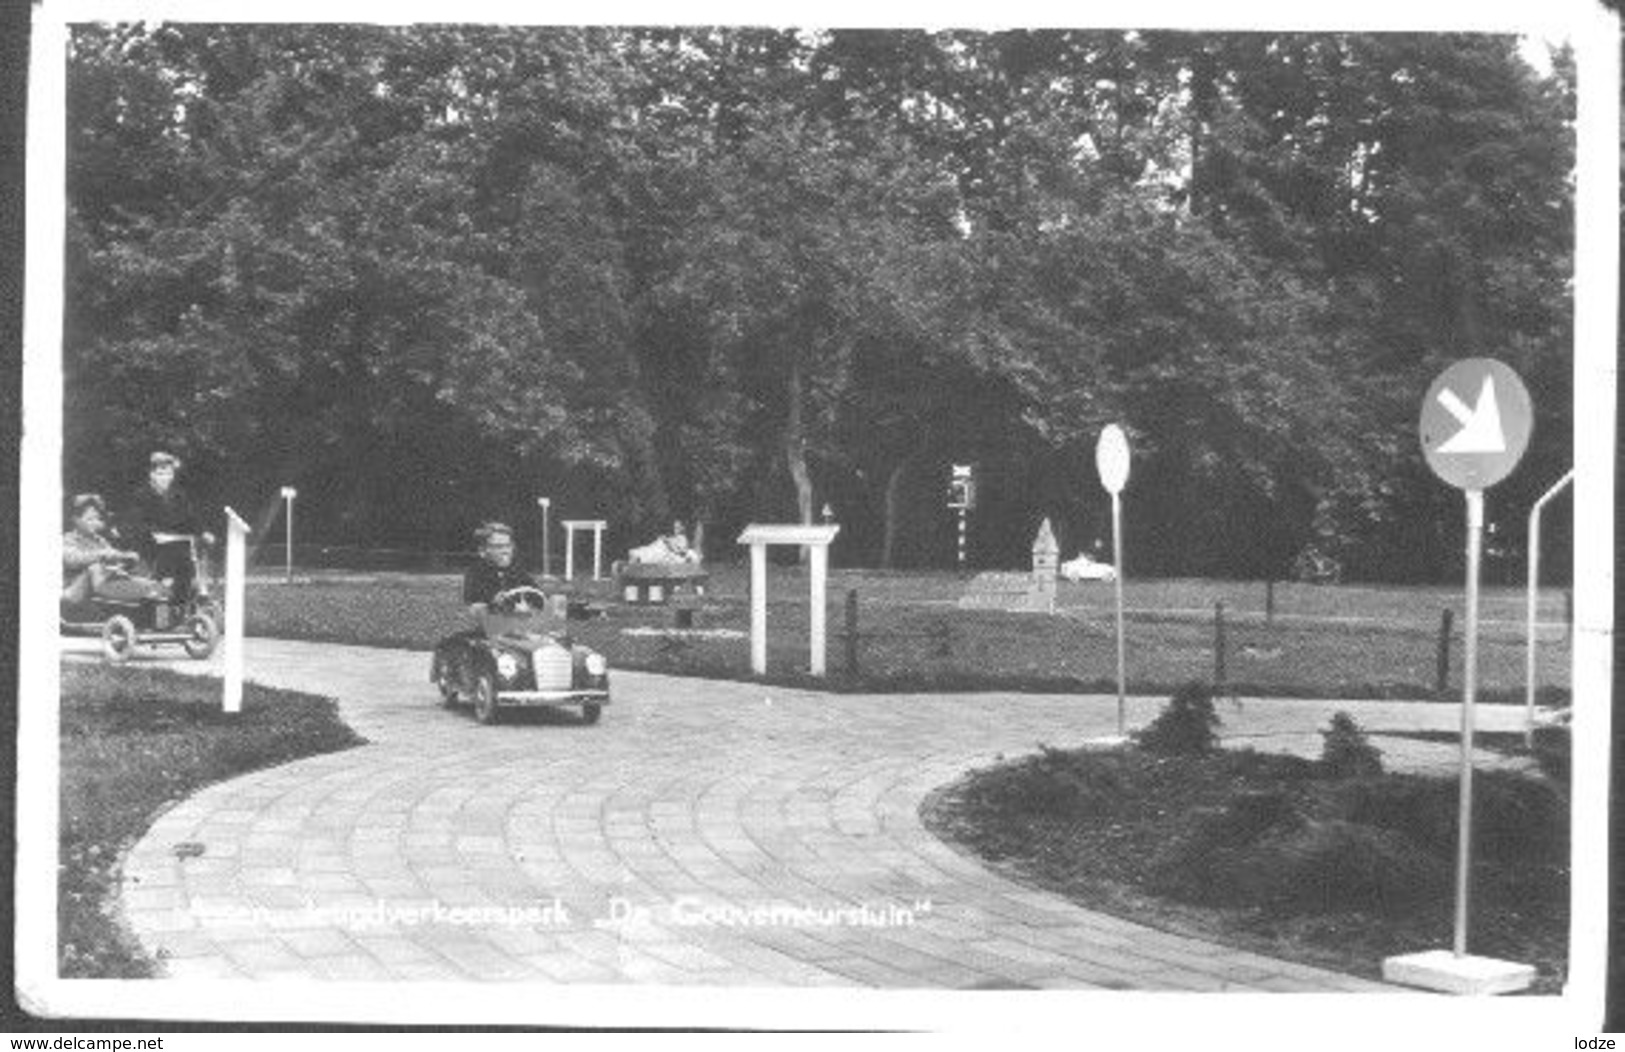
1209 860
1064 783
1345 752
1423 810
1552 750
1515 818
1335 865
1253 766
1518 818
1186 725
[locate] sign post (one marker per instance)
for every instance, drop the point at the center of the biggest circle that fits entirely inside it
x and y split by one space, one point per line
962 497
1112 462
288 493
236 560
545 502
1472 447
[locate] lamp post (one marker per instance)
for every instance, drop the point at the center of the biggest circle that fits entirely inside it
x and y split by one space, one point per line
546 503
288 493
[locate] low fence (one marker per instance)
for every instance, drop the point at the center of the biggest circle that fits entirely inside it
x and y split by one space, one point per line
273 558
1238 652
894 631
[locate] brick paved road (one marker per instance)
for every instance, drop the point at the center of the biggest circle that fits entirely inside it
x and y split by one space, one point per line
542 850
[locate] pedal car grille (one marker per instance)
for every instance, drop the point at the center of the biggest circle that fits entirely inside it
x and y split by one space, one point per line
553 667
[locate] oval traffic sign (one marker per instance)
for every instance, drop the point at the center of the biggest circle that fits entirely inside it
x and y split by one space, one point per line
1476 421
1111 458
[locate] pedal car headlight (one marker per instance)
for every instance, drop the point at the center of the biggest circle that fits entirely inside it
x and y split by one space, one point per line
507 666
596 665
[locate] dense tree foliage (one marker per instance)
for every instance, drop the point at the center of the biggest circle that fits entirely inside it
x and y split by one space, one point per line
429 273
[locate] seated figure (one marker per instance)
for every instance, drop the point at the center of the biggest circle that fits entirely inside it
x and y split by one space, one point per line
670 550
483 582
91 566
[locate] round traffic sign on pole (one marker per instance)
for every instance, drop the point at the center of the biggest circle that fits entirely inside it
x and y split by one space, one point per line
1111 458
1476 420
1475 424
1111 461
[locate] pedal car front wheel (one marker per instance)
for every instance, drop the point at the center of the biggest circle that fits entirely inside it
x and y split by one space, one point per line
485 699
118 638
201 636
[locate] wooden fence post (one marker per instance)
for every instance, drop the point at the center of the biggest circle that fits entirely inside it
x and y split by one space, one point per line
1442 679
1218 646
1269 601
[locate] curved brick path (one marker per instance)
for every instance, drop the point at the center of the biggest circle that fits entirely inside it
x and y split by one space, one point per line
448 850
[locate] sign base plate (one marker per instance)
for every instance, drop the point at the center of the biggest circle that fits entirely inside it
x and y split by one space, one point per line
1443 971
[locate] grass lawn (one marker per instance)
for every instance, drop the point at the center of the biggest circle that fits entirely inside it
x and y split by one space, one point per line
1269 853
134 741
915 635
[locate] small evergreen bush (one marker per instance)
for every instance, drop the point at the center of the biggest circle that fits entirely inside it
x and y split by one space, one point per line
1552 750
1345 752
1186 725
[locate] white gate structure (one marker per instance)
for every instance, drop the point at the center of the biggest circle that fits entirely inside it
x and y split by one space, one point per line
815 538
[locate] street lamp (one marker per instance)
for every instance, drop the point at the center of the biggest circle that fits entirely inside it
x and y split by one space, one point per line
546 503
288 493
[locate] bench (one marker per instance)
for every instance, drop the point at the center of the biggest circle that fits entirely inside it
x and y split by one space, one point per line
653 584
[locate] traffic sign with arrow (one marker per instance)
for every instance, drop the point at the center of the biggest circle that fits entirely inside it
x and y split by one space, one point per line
1474 446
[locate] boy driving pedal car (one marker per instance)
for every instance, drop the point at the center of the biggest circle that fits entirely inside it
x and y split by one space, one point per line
91 566
493 575
495 572
163 523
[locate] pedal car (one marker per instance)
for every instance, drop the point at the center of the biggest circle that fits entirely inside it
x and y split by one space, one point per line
158 617
517 661
1084 568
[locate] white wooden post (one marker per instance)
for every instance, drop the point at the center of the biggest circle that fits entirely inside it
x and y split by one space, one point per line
758 608
236 558
817 538
547 568
597 527
288 493
820 568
